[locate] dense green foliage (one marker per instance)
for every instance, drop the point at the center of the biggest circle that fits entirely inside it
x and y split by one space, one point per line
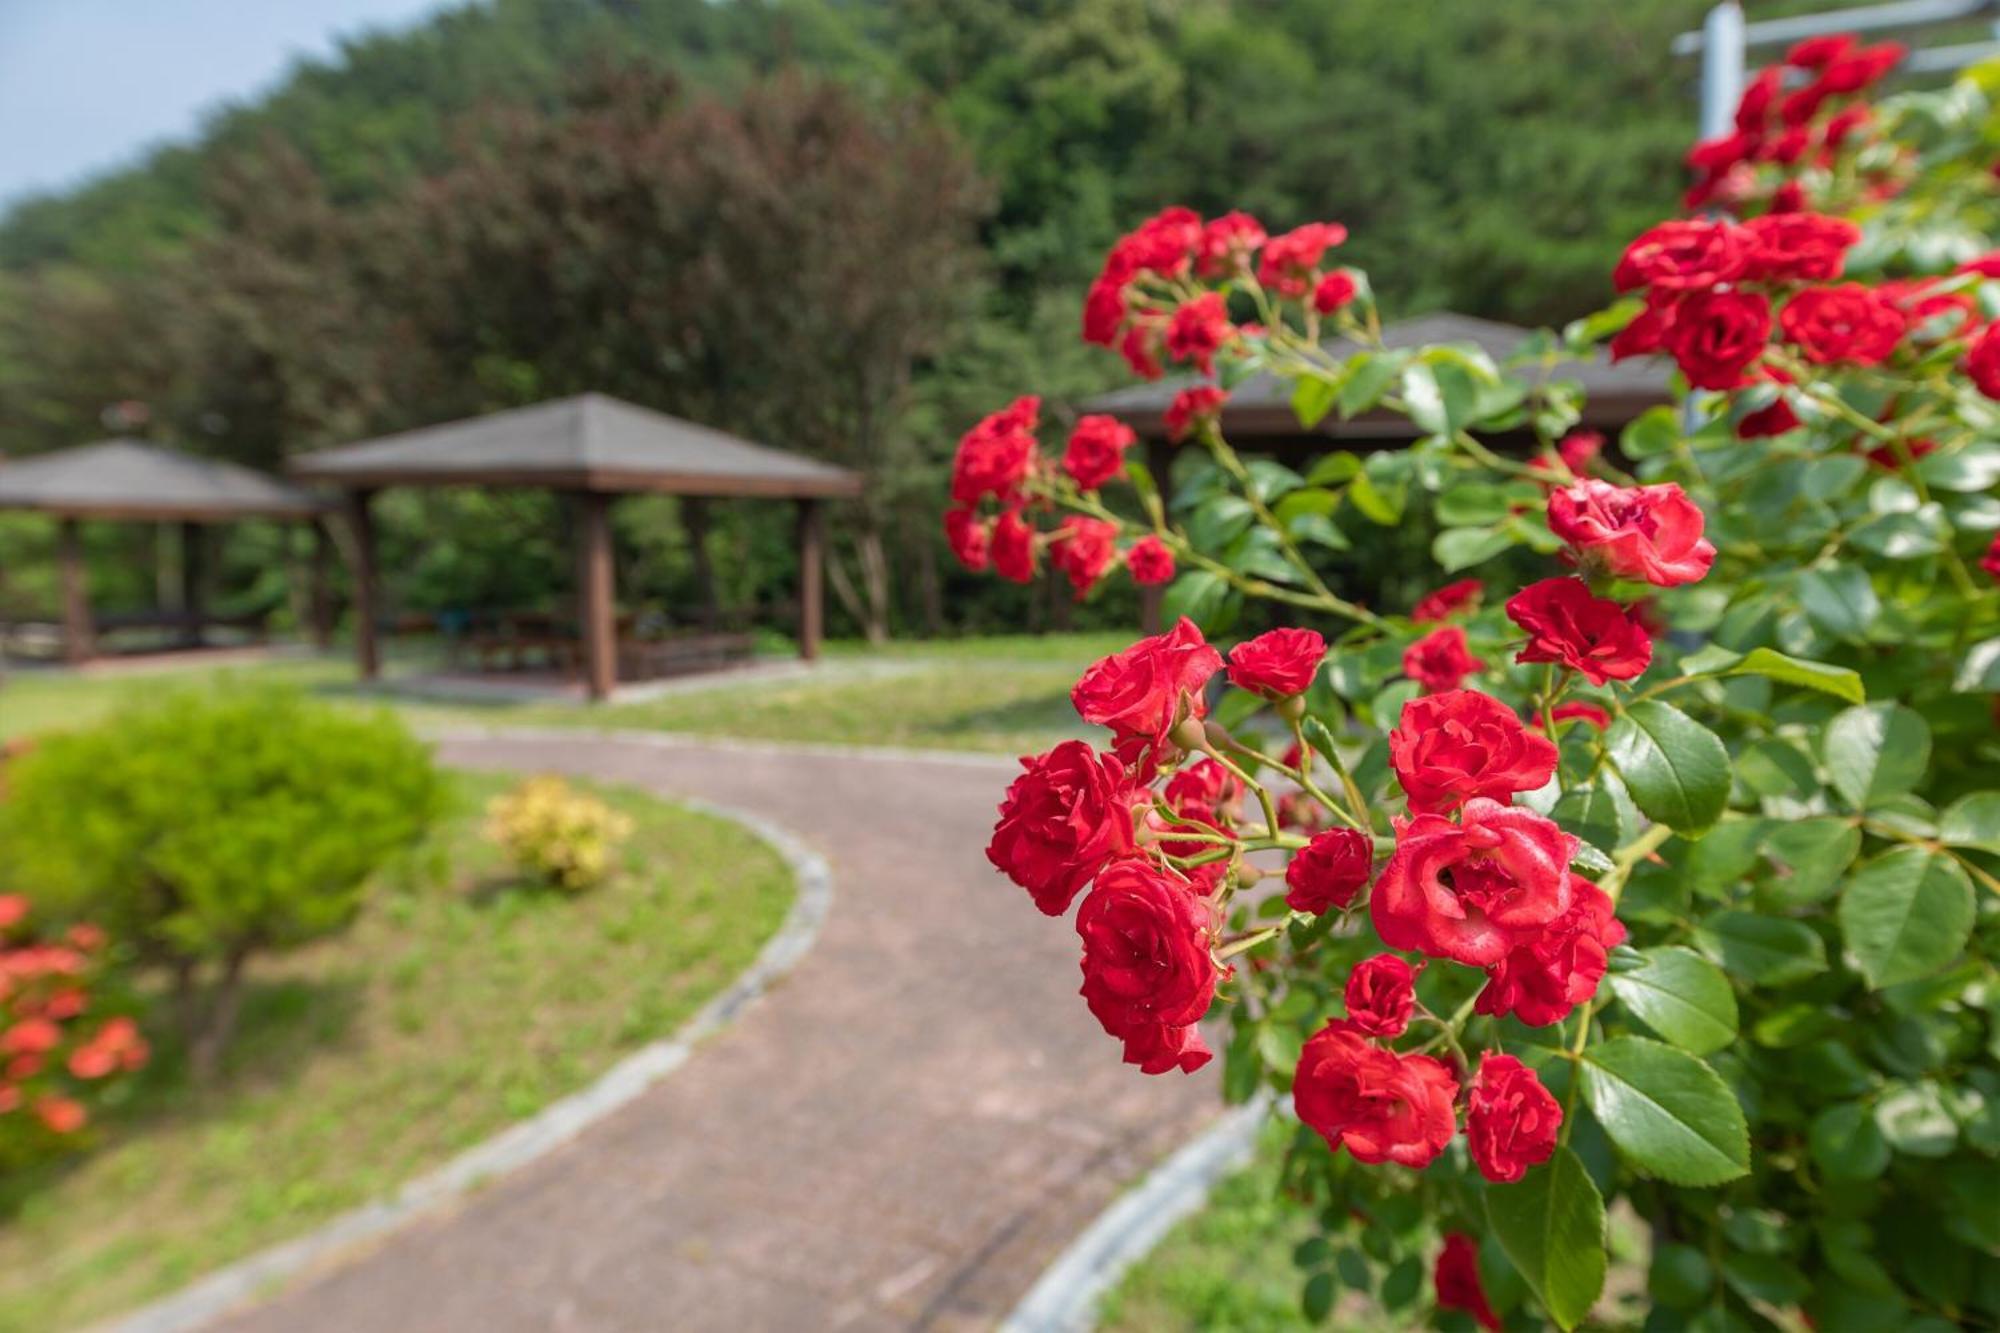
452 219
202 829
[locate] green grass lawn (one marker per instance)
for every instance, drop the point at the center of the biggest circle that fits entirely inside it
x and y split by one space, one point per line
463 999
1007 694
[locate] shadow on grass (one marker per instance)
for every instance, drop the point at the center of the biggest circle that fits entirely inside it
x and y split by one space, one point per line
1051 712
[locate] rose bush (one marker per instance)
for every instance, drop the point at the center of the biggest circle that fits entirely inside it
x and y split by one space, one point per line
1685 850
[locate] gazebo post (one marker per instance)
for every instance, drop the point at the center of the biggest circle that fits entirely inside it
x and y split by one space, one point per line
79 636
361 527
319 595
192 578
1159 462
596 601
812 578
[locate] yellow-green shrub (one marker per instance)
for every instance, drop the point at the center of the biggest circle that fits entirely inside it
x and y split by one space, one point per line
557 833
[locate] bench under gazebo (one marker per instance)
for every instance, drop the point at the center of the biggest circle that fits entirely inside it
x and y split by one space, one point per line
133 481
592 449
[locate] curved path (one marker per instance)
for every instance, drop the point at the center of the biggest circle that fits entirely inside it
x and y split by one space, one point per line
902 1134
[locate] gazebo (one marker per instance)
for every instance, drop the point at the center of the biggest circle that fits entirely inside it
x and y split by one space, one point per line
133 481
592 448
1258 418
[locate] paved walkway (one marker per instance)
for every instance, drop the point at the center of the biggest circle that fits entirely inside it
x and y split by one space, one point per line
901 1136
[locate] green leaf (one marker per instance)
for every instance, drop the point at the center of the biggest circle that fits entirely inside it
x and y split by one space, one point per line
1675 768
1847 1144
1377 504
1905 914
1316 1301
1461 548
1979 669
1787 670
1767 950
1473 505
1839 600
1219 522
1875 751
1670 1115
1679 994
1197 594
1811 855
1369 375
1320 529
1654 431
1333 469
1313 397
1551 1224
1972 821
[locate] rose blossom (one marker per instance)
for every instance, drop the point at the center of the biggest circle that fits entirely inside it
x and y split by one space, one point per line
13 910
1381 993
116 1046
1013 546
1335 291
1545 976
996 455
1474 890
1380 1106
1716 336
1150 562
1192 409
1457 1282
1511 1119
1581 712
1982 361
1096 450
1798 247
1845 324
1227 242
1289 261
1647 333
1990 562
1448 748
1685 254
1142 691
1083 549
1148 975
1579 449
1327 872
1278 663
1568 626
968 539
1440 660
1198 330
1445 601
1765 422
61 1114
1635 532
1068 813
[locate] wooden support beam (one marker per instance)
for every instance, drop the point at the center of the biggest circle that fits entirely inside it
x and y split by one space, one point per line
319 587
79 633
367 605
596 594
193 578
812 578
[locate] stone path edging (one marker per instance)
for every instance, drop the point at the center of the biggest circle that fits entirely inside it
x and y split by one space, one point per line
1064 1299
688 740
554 1125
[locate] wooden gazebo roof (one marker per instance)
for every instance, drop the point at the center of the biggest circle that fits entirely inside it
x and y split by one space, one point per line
1260 409
130 479
591 443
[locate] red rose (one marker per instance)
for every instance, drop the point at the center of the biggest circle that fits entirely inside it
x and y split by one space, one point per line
1278 663
1472 891
1685 254
1096 450
1161 246
1568 626
1990 562
1581 712
1013 547
1143 345
1201 790
1982 361
1720 154
1083 549
1753 109
1381 993
1335 290
30 1036
968 538
1814 52
1141 692
1986 265
1647 333
1226 244
1798 247
1846 323
1457 1282
1717 335
1290 260
1380 1106
1150 562
1890 459
1510 1119
1579 449
996 455
1855 70
1768 421
1440 660
1068 813
1193 409
1148 974
1327 872
1545 976
1840 127
1452 597
115 1046
1634 532
61 1115
1448 748
1198 330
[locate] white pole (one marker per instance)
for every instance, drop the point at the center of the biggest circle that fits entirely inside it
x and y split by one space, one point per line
1721 68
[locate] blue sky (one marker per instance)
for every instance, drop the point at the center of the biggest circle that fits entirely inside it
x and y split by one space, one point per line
85 85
